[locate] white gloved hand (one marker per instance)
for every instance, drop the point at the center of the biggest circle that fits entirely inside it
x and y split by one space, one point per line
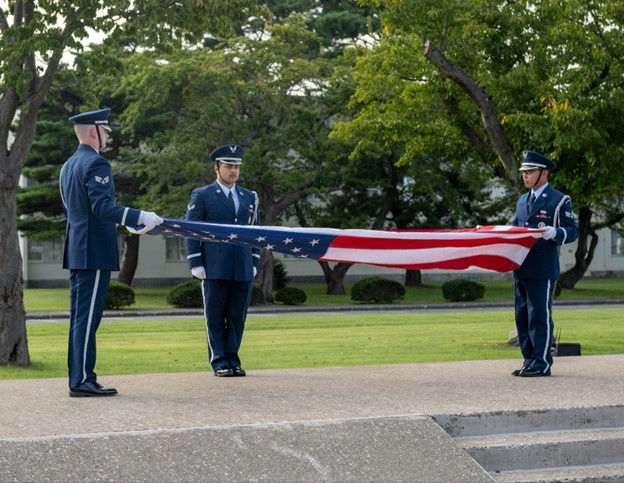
134 231
199 272
255 272
149 219
549 233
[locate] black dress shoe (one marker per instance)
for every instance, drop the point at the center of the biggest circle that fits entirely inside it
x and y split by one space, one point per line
223 372
530 372
91 389
518 371
239 371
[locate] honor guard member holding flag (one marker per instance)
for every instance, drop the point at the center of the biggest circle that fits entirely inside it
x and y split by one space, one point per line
90 254
534 282
226 271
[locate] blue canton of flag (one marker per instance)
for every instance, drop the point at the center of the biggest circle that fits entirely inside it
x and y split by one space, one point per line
311 245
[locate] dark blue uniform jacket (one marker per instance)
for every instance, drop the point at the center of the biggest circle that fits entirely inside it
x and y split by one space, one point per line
88 195
551 208
222 261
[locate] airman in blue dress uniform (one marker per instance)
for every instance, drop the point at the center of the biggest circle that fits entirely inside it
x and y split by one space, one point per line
535 281
90 253
226 271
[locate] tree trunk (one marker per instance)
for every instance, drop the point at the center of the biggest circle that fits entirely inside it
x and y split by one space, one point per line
492 126
483 102
13 341
334 278
131 259
265 276
413 278
584 251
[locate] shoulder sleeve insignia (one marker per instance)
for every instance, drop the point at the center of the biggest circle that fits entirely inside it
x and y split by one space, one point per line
101 180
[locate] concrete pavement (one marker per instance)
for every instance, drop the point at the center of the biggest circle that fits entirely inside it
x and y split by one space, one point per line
371 423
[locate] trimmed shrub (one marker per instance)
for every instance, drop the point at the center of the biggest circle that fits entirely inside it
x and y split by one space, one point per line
377 289
462 290
280 276
186 295
256 295
119 295
290 296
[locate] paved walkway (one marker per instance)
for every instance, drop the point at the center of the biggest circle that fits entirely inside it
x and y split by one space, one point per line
330 424
41 407
371 423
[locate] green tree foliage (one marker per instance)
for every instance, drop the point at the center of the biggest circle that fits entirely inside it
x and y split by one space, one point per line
407 165
339 23
33 38
509 76
271 96
39 205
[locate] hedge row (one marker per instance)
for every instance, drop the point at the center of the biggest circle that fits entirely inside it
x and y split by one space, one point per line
371 289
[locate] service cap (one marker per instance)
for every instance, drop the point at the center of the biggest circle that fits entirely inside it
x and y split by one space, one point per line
98 118
228 154
533 160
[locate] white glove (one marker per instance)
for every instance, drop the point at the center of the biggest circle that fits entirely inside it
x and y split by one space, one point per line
255 272
134 231
199 272
149 219
549 233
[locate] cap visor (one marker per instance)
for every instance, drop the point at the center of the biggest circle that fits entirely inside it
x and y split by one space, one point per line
531 167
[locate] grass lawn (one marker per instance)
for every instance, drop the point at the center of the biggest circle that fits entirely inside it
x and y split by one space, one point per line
319 340
315 340
57 299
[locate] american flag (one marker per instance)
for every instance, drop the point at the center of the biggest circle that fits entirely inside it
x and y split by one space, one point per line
496 248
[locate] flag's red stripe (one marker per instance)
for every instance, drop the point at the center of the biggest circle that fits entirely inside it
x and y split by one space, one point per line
356 242
486 262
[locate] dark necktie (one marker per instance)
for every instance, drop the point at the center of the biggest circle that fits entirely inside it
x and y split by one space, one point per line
531 202
231 200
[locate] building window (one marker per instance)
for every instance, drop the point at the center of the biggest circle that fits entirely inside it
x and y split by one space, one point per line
48 251
176 250
617 244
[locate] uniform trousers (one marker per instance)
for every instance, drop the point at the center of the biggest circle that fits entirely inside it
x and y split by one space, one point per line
534 323
87 299
225 311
